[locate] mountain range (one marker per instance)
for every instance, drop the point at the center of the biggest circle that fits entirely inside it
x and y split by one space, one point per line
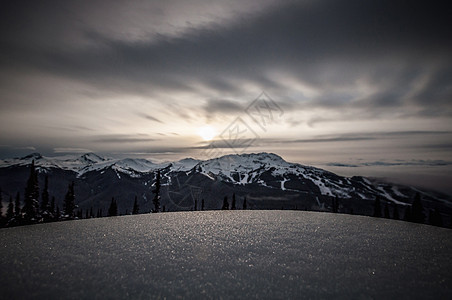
265 179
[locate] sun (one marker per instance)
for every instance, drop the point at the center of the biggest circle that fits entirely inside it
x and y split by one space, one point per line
206 132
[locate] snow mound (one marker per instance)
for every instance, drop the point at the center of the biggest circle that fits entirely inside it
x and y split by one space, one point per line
226 254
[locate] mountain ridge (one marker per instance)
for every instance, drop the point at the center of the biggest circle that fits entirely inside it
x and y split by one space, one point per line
266 179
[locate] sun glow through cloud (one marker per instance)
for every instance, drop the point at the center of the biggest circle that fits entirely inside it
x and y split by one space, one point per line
207 133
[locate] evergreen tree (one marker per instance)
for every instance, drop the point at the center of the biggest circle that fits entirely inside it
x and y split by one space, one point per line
195 208
396 212
386 211
46 211
52 205
91 213
31 201
377 207
17 208
113 209
10 211
407 216
136 208
1 204
435 218
244 203
225 203
335 204
417 211
156 192
87 214
202 204
58 213
439 219
233 202
45 206
69 202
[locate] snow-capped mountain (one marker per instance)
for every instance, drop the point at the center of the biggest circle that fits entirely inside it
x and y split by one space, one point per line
265 179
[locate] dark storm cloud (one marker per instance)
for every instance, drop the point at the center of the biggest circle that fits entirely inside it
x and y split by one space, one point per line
327 44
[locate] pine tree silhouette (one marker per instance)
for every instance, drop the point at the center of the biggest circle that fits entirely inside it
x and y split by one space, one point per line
113 209
407 216
417 211
156 191
233 202
69 202
438 218
10 210
17 208
31 201
52 205
335 204
225 203
244 203
435 218
386 211
136 208
377 207
202 204
396 213
46 211
58 213
195 208
1 205
45 196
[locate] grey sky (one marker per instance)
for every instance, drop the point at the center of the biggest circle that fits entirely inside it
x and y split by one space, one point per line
145 76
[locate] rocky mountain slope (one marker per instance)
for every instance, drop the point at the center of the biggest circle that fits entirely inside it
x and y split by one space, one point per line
265 179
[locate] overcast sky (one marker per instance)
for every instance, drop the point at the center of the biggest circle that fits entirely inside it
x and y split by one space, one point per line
357 87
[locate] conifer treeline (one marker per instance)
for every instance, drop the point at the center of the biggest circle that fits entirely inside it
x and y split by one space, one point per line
413 213
35 211
47 210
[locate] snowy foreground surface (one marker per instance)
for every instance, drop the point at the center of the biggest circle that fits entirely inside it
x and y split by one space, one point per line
231 254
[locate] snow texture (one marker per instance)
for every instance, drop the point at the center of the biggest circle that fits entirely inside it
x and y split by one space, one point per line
227 254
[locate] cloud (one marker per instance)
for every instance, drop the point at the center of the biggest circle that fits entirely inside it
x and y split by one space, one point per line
122 138
71 150
223 106
148 117
431 163
328 45
61 64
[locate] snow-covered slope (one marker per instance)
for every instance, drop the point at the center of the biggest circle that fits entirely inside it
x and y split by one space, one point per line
82 164
227 255
256 174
